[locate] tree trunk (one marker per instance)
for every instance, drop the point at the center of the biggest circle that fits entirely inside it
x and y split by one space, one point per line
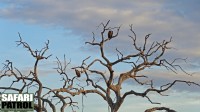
115 107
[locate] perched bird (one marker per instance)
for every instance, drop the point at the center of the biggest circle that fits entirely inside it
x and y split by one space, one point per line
110 34
78 74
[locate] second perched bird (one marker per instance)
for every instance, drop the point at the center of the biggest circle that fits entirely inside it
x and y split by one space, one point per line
110 34
78 74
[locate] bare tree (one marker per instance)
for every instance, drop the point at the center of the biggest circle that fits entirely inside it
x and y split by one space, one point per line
31 83
145 57
108 85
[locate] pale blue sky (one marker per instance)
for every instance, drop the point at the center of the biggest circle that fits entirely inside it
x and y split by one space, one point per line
68 24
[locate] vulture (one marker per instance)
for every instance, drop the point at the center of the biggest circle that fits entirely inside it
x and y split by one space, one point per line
110 34
78 74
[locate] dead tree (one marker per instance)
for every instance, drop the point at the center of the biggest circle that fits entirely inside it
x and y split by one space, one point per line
108 85
31 83
144 57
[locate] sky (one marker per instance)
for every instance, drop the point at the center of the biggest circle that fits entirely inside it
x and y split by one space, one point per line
68 24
